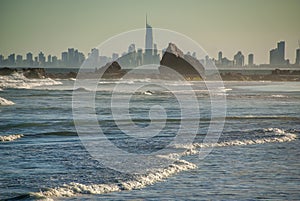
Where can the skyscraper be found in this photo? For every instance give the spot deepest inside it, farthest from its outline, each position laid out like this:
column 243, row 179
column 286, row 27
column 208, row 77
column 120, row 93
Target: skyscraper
column 239, row 59
column 149, row 36
column 29, row 59
column 250, row 60
column 281, row 50
column 298, row 56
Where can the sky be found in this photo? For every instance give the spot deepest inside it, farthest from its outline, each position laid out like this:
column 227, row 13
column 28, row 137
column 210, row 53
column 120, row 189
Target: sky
column 52, row 26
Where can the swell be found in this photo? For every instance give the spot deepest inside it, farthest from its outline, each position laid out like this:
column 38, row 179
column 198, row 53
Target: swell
column 141, row 181
column 156, row 175
column 8, row 138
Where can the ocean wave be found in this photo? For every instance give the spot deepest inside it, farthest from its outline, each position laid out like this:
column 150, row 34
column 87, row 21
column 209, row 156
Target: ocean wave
column 140, row 181
column 262, row 117
column 18, row 80
column 279, row 136
column 156, row 175
column 7, row 138
column 4, row 101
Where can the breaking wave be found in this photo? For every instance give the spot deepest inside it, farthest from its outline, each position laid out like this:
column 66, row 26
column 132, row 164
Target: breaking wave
column 18, row 80
column 279, row 135
column 156, row 175
column 7, row 138
column 140, row 181
column 4, row 101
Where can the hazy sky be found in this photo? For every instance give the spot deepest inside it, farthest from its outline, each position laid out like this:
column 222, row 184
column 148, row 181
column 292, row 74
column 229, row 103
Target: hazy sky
column 51, row 26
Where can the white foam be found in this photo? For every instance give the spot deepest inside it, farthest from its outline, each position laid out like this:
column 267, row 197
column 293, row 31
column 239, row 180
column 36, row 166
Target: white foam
column 156, row 175
column 141, row 181
column 18, row 80
column 10, row 137
column 4, row 101
column 279, row 96
column 281, row 136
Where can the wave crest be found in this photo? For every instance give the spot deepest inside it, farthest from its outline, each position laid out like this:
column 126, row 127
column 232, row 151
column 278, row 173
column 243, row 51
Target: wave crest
column 156, row 175
column 141, row 181
column 18, row 80
column 4, row 101
column 10, row 137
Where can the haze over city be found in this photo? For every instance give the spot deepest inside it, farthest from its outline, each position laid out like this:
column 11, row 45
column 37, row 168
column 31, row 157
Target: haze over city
column 231, row 26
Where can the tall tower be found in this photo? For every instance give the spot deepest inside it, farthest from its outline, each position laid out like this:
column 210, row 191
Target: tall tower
column 149, row 37
column 281, row 50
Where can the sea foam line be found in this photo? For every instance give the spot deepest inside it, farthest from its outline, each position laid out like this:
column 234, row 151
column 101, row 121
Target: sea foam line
column 4, row 101
column 153, row 176
column 10, row 137
column 141, row 181
column 280, row 136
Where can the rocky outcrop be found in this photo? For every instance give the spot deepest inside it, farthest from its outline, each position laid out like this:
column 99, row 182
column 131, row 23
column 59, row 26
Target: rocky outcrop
column 31, row 73
column 7, row 71
column 111, row 70
column 185, row 65
column 34, row 73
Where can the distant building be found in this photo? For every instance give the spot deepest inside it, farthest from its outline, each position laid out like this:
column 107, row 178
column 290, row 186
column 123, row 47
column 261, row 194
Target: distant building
column 220, row 56
column 115, row 56
column 11, row 60
column 274, row 57
column 29, row 59
column 250, row 60
column 281, row 51
column 42, row 59
column 277, row 55
column 239, row 59
column 149, row 37
column 1, row 59
column 19, row 61
column 298, row 57
column 64, row 58
column 49, row 59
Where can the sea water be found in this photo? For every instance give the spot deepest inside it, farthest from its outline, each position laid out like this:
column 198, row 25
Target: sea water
column 256, row 156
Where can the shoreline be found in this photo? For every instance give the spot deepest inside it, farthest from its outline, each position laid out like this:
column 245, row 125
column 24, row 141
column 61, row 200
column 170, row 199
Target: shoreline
column 276, row 75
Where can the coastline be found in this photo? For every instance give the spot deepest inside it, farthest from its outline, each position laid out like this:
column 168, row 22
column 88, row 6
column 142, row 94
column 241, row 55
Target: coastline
column 41, row 73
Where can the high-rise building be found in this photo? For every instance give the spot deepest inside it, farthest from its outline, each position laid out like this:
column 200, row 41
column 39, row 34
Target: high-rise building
column 149, row 36
column 220, row 56
column 298, row 56
column 71, row 56
column 29, row 60
column 274, row 56
column 277, row 55
column 49, row 59
column 1, row 59
column 42, row 59
column 239, row 59
column 115, row 56
column 131, row 48
column 54, row 61
column 250, row 60
column 11, row 60
column 19, row 60
column 281, row 50
column 64, row 58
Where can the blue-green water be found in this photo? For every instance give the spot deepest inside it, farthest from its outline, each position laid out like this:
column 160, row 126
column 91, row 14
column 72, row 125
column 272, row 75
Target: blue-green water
column 50, row 154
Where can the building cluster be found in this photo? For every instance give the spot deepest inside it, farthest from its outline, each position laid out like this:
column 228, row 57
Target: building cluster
column 71, row 58
column 132, row 58
column 277, row 58
column 137, row 57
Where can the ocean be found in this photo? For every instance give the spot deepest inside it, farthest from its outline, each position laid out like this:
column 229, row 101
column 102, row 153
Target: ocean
column 43, row 157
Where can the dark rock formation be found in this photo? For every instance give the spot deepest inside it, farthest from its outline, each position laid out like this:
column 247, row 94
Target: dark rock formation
column 7, row 71
column 67, row 75
column 111, row 70
column 34, row 73
column 186, row 65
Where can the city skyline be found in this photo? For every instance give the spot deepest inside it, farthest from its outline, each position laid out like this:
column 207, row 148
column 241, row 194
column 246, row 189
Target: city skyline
column 150, row 54
column 231, row 26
